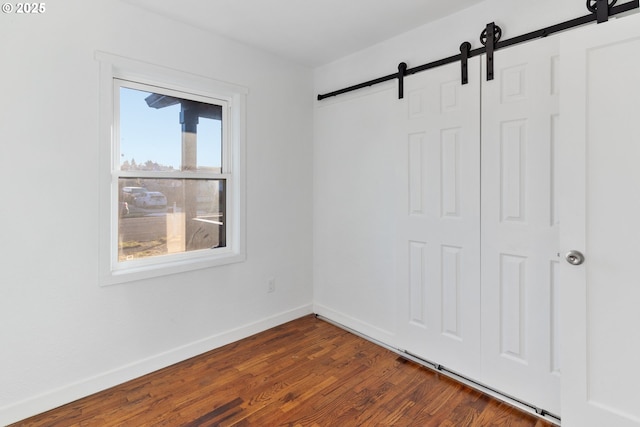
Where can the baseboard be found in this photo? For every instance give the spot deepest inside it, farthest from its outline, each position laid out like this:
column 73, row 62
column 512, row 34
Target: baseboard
column 368, row 329
column 71, row 392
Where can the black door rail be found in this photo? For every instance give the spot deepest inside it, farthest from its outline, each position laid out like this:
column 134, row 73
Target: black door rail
column 490, row 38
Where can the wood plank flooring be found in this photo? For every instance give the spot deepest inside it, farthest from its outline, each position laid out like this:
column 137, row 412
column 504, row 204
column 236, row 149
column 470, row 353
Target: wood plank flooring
column 303, row 373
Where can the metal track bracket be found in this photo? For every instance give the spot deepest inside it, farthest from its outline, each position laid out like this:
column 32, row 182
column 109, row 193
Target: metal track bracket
column 464, row 59
column 402, row 71
column 489, row 38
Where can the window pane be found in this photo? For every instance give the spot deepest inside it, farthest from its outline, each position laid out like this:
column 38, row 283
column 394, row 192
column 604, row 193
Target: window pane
column 166, row 216
column 163, row 133
column 209, row 155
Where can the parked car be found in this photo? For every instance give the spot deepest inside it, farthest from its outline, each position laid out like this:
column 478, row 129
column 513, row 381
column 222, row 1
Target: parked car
column 151, row 199
column 129, row 194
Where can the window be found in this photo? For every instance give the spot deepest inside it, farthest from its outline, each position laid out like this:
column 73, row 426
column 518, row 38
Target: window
column 174, row 181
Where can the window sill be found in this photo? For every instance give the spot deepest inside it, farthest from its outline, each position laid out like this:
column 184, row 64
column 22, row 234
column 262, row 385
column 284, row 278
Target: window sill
column 131, row 274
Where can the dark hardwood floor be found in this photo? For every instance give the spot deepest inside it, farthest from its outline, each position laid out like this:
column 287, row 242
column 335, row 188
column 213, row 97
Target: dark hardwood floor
column 304, row 373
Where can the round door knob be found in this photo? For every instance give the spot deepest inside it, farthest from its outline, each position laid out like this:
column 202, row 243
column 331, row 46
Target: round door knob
column 574, row 257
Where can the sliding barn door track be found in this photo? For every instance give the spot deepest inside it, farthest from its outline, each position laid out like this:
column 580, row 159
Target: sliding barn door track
column 513, row 401
column 600, row 11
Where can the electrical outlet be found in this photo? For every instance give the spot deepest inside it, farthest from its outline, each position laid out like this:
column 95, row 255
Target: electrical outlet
column 271, row 285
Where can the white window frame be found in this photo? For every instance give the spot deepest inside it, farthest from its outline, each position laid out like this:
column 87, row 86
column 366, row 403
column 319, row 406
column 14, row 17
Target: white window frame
column 114, row 70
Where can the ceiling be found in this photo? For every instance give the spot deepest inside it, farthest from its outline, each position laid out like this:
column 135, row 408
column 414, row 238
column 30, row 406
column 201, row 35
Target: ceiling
column 309, row 32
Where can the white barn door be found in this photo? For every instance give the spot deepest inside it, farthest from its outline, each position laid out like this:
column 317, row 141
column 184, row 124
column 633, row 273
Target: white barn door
column 438, row 218
column 477, row 222
column 520, row 343
column 600, row 166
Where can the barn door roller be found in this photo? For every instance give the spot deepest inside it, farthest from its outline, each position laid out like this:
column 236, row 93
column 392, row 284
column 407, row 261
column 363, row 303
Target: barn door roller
column 601, row 8
column 402, row 70
column 490, row 38
column 464, row 59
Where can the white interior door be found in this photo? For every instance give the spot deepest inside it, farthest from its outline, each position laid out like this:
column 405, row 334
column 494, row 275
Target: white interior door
column 520, row 347
column 438, row 222
column 600, row 211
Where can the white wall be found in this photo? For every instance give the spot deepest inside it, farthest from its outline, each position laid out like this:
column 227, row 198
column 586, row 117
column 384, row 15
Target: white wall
column 62, row 336
column 354, row 257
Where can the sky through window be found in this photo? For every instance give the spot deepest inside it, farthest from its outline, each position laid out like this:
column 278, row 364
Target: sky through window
column 150, row 134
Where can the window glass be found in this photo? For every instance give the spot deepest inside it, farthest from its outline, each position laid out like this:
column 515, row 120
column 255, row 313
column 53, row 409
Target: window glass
column 171, row 195
column 168, row 133
column 168, row 216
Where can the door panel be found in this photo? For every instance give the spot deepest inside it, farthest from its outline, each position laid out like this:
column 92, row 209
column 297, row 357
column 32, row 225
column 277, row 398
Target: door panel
column 438, row 219
column 599, row 213
column 519, row 225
